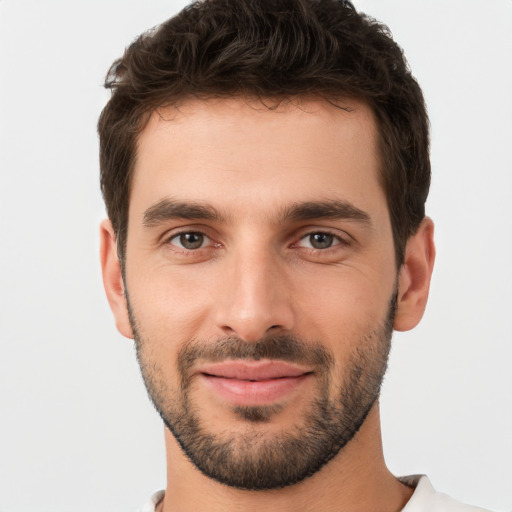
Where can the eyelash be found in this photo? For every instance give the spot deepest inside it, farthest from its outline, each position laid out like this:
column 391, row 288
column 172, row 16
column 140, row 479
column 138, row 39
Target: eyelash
column 184, row 250
column 337, row 241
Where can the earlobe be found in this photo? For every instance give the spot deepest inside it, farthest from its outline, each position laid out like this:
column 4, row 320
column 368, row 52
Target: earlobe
column 113, row 278
column 414, row 277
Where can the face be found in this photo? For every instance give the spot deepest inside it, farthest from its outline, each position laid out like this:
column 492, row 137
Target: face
column 261, row 282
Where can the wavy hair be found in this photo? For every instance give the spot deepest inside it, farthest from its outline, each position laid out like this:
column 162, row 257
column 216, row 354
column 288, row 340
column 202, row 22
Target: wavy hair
column 272, row 50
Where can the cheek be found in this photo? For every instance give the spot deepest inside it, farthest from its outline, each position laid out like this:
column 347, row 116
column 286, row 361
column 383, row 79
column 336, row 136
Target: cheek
column 345, row 296
column 344, row 311
column 170, row 305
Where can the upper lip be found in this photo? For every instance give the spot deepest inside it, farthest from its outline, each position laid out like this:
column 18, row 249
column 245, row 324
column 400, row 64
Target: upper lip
column 252, row 370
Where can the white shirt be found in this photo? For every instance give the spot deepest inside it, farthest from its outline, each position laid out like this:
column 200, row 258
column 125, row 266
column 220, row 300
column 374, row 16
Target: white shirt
column 424, row 499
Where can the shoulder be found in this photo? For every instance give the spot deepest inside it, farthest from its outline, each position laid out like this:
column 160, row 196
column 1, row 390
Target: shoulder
column 426, row 499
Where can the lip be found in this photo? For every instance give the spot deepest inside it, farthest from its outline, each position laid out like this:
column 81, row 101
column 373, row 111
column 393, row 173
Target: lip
column 253, row 382
column 253, row 370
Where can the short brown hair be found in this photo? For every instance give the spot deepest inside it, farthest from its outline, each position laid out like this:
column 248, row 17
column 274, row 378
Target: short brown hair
column 270, row 49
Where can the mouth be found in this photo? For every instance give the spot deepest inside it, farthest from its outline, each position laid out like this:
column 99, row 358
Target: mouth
column 253, row 383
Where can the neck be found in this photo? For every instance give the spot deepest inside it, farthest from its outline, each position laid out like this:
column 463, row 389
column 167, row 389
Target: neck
column 356, row 480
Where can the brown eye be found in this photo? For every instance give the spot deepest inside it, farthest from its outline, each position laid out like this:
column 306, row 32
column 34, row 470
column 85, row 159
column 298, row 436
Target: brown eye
column 189, row 241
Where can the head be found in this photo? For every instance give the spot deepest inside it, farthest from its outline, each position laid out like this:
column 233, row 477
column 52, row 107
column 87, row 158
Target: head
column 265, row 167
column 272, row 50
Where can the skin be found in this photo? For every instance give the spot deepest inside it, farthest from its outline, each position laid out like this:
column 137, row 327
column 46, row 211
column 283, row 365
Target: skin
column 257, row 273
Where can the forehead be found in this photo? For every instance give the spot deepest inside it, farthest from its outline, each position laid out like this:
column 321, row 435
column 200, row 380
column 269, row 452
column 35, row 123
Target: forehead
column 239, row 149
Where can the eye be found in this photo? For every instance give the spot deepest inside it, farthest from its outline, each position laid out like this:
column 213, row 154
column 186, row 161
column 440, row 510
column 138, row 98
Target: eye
column 190, row 240
column 319, row 240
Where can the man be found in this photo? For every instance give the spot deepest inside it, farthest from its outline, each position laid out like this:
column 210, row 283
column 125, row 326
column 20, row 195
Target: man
column 265, row 168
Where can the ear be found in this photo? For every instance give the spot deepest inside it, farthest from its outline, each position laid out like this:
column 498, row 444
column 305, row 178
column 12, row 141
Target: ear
column 113, row 278
column 414, row 277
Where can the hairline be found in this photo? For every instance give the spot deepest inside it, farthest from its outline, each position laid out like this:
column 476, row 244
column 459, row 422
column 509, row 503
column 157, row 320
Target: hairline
column 278, row 99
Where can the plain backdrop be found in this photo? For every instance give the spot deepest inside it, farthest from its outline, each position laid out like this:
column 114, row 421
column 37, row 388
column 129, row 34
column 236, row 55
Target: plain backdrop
column 77, row 432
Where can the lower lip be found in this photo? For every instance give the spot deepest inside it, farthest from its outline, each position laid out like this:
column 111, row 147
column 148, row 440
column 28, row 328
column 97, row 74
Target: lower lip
column 261, row 392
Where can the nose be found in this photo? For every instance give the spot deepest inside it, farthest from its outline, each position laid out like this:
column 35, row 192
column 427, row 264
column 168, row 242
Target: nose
column 256, row 296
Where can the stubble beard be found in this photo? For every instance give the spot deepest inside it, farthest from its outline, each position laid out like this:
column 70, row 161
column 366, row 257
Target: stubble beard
column 253, row 459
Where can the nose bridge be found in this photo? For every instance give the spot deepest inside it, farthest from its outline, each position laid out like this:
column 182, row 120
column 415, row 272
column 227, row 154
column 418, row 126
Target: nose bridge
column 256, row 296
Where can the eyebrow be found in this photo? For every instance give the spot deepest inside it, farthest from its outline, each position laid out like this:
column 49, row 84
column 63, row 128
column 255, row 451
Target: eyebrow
column 330, row 209
column 169, row 209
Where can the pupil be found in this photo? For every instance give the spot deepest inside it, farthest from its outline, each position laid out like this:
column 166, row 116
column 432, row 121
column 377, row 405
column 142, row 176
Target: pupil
column 321, row 240
column 191, row 240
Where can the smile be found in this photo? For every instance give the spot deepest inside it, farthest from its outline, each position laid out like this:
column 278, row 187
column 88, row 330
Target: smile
column 252, row 383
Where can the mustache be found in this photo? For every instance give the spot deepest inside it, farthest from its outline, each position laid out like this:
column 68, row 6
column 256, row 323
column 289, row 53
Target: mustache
column 281, row 347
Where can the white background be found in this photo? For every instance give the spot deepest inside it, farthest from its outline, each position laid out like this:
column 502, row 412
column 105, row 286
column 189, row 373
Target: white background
column 77, row 432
